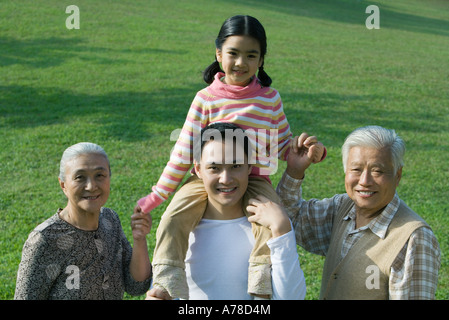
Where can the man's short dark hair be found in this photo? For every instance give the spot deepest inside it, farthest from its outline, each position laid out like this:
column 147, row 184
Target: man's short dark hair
column 223, row 131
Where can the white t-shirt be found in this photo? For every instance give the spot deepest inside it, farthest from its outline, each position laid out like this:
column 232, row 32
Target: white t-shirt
column 217, row 262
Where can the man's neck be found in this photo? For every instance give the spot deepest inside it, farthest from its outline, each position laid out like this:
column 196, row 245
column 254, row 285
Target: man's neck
column 363, row 218
column 215, row 212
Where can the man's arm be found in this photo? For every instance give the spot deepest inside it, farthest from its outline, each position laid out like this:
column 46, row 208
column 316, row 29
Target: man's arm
column 312, row 219
column 414, row 273
column 287, row 276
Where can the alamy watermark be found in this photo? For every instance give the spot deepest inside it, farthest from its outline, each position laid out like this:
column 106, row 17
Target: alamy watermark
column 73, row 280
column 72, row 21
column 373, row 280
column 262, row 146
column 373, row 20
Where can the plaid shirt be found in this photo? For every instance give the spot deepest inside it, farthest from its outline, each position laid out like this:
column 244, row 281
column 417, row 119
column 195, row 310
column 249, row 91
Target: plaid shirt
column 414, row 273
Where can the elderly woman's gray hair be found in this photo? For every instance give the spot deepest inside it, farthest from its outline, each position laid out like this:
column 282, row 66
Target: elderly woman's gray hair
column 79, row 149
column 375, row 137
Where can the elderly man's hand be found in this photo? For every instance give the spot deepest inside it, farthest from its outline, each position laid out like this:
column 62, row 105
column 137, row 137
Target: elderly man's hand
column 305, row 151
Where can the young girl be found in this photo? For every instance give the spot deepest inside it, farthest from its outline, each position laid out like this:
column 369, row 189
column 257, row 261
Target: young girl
column 235, row 95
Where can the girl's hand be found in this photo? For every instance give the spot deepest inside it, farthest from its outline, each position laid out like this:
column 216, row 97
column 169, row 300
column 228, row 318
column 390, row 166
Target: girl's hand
column 140, row 223
column 269, row 214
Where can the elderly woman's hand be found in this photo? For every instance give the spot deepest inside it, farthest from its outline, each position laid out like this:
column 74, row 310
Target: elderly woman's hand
column 140, row 223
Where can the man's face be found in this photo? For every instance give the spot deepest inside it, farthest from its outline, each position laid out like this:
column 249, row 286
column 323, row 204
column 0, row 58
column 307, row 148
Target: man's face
column 370, row 179
column 225, row 181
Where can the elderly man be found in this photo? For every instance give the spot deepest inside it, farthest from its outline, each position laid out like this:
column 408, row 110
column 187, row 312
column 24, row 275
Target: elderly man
column 375, row 246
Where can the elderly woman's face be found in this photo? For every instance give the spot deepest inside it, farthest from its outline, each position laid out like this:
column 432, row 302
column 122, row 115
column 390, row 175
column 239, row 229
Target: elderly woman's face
column 87, row 182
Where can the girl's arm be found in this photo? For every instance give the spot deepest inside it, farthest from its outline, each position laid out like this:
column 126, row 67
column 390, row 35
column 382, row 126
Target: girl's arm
column 181, row 159
column 284, row 134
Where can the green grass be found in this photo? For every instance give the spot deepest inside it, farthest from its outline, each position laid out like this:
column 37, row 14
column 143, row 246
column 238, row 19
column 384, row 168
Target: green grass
column 126, row 79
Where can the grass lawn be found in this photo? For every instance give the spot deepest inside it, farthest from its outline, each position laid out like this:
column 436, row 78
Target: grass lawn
column 126, row 78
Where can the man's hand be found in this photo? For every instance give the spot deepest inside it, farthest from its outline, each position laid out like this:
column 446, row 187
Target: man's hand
column 268, row 214
column 305, row 151
column 158, row 294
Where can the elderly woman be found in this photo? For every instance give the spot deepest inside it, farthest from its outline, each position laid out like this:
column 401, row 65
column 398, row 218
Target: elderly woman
column 81, row 251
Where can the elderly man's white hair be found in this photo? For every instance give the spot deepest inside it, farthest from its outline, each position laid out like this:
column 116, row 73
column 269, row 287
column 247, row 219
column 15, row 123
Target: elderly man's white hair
column 79, row 149
column 376, row 137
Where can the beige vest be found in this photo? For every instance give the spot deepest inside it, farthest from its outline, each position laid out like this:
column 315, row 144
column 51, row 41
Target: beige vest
column 364, row 272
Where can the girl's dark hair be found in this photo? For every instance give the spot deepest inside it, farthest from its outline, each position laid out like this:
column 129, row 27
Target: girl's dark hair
column 240, row 26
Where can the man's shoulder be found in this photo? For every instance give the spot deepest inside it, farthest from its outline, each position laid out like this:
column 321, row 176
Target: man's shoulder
column 407, row 215
column 343, row 203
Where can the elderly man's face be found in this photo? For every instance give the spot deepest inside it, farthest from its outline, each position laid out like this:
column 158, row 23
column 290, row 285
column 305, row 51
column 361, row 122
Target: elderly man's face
column 87, row 183
column 370, row 179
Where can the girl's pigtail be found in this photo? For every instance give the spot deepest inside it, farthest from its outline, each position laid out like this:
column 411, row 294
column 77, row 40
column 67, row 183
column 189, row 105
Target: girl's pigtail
column 264, row 79
column 209, row 73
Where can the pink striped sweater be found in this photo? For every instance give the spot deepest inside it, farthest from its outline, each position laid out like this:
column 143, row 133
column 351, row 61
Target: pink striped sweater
column 253, row 108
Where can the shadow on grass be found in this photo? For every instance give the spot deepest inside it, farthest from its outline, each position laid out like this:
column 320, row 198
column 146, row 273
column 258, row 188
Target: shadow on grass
column 139, row 116
column 54, row 51
column 353, row 12
column 129, row 116
column 334, row 116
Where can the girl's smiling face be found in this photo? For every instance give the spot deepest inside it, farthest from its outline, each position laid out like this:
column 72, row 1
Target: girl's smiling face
column 240, row 58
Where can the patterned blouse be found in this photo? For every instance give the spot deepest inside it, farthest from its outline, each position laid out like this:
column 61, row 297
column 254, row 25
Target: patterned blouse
column 60, row 261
